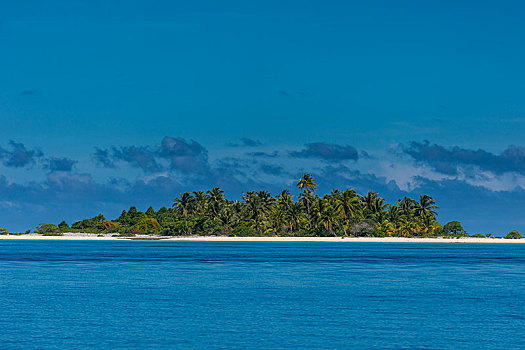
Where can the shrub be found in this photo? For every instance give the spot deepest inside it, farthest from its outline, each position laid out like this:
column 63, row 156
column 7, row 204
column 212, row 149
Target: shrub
column 47, row 229
column 305, row 233
column 478, row 235
column 454, row 228
column 131, row 217
column 53, row 234
column 514, row 234
column 64, row 227
column 3, row 231
column 146, row 226
column 243, row 231
column 174, row 228
column 125, row 234
column 212, row 226
column 110, row 225
column 95, row 223
column 363, row 229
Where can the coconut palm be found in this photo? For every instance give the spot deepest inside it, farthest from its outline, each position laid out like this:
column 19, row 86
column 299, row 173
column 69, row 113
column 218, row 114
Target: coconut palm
column 229, row 217
column 395, row 214
column 283, row 203
column 216, row 201
column 284, row 198
column 350, row 204
column 373, row 206
column 295, row 216
column 348, row 207
column 308, row 185
column 368, row 200
column 258, row 206
column 183, row 205
column 327, row 215
column 199, row 202
column 385, row 227
column 408, row 205
column 426, row 206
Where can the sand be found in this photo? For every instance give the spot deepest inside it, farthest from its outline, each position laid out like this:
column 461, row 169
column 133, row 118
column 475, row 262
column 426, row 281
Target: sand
column 95, row 237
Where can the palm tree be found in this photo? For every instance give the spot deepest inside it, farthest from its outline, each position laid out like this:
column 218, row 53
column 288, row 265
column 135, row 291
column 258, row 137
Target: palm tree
column 183, row 204
column 427, row 223
column 258, row 206
column 308, row 185
column 229, row 217
column 295, row 215
column 395, row 215
column 426, row 206
column 327, row 215
column 283, row 203
column 199, row 202
column 385, row 227
column 368, row 200
column 374, row 205
column 408, row 206
column 348, row 207
column 216, row 200
column 284, row 199
column 408, row 227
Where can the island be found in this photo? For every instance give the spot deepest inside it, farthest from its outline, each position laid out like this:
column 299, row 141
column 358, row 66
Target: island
column 342, row 215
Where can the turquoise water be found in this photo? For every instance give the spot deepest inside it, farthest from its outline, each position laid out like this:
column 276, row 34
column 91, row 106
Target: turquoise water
column 129, row 294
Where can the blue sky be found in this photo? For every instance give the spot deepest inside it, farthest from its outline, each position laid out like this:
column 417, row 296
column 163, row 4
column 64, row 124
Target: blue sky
column 104, row 105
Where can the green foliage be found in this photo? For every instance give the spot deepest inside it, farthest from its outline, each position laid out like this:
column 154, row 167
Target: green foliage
column 125, row 233
column 64, row 227
column 454, row 228
column 305, row 233
column 174, row 228
column 131, row 217
column 110, row 226
column 94, row 224
column 150, row 213
column 258, row 213
column 47, row 229
column 477, row 235
column 243, row 231
column 3, row 231
column 514, row 234
column 146, row 226
column 212, row 227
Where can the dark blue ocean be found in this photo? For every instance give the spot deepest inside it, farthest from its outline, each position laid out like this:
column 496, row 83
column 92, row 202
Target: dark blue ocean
column 157, row 295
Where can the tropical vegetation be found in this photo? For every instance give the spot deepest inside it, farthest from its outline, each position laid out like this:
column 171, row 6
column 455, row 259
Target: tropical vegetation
column 258, row 213
column 514, row 234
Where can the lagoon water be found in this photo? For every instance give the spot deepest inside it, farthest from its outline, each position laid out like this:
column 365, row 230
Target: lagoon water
column 223, row 295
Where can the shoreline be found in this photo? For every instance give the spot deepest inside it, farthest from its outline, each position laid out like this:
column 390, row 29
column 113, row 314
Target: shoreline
column 95, row 237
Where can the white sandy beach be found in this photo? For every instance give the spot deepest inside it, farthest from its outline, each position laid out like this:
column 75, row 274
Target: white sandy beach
column 95, row 237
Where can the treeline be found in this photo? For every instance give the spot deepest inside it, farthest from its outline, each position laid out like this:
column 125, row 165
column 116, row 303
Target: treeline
column 339, row 213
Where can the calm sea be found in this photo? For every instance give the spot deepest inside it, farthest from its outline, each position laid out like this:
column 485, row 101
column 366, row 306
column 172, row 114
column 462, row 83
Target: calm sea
column 156, row 295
